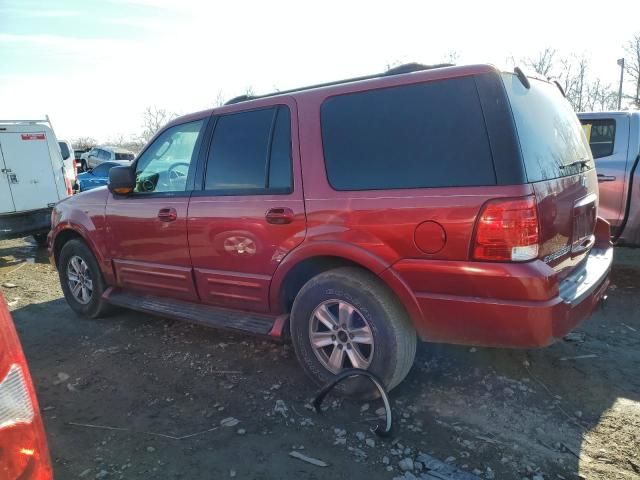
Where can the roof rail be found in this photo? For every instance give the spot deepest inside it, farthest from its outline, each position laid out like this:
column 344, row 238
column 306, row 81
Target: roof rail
column 28, row 122
column 399, row 70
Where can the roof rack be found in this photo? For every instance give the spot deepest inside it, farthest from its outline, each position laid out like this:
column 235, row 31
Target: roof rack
column 28, row 122
column 399, row 70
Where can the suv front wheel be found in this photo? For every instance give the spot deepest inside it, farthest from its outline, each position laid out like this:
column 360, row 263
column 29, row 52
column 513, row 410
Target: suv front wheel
column 81, row 280
column 347, row 318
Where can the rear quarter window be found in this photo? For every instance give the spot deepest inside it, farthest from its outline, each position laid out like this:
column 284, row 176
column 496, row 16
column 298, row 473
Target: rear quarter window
column 412, row 136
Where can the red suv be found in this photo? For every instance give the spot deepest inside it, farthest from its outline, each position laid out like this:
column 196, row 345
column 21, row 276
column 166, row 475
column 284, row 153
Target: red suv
column 454, row 204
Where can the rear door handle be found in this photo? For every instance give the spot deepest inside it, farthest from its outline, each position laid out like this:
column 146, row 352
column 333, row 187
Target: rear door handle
column 167, row 214
column 279, row 216
column 606, row 178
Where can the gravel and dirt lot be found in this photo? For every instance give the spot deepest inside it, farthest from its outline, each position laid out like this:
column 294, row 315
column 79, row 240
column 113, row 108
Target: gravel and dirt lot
column 135, row 396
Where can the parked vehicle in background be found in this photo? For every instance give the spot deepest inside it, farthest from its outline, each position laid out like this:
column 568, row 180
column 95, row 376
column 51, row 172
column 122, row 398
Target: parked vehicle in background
column 97, row 177
column 77, row 153
column 32, row 178
column 614, row 138
column 69, row 161
column 451, row 204
column 24, row 453
column 98, row 155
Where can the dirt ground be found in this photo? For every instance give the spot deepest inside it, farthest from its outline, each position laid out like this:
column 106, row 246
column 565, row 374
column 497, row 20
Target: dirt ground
column 135, row 396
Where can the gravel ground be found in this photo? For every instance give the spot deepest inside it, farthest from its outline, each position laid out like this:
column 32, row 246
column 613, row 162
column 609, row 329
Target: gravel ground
column 135, row 396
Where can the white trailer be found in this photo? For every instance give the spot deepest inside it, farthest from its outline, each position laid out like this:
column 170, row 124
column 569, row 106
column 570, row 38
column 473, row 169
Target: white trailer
column 32, row 178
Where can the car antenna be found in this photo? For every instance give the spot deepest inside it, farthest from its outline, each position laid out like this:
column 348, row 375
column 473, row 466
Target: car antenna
column 522, row 77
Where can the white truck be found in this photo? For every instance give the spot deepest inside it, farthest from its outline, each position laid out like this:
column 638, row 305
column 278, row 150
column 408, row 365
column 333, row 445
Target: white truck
column 32, row 178
column 614, row 138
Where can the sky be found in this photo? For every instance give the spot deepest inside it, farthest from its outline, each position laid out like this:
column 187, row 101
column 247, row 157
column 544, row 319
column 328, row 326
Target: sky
column 94, row 66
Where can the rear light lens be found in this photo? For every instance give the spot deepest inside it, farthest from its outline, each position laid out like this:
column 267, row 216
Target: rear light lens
column 507, row 230
column 23, row 445
column 15, row 405
column 67, row 184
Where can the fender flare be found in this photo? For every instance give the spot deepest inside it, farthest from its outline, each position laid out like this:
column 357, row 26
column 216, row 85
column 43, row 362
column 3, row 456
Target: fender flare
column 358, row 255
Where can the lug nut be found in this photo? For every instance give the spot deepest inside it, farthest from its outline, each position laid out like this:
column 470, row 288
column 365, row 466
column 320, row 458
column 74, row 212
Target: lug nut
column 349, row 346
column 333, row 337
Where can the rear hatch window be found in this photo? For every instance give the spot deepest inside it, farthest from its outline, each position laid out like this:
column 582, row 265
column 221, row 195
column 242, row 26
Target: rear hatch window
column 125, row 156
column 559, row 164
column 551, row 137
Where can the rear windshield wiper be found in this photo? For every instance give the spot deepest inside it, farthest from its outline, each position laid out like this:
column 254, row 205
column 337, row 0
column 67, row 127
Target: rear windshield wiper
column 582, row 163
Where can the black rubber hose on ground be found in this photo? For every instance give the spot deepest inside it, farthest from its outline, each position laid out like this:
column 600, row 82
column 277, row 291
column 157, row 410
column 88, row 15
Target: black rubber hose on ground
column 380, row 430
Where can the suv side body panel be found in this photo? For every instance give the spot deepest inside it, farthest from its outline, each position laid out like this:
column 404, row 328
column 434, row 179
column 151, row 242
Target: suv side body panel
column 235, row 249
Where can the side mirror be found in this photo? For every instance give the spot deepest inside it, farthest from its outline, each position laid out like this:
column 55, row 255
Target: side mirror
column 122, row 180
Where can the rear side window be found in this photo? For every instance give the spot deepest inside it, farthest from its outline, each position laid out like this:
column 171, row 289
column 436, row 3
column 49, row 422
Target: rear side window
column 124, row 156
column 601, row 135
column 414, row 136
column 103, row 154
column 64, row 149
column 251, row 153
column 550, row 134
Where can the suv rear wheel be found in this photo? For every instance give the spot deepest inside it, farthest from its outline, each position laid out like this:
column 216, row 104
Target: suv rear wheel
column 81, row 280
column 347, row 318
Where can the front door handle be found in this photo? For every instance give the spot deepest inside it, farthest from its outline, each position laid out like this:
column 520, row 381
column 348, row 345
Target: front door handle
column 279, row 216
column 167, row 214
column 606, row 178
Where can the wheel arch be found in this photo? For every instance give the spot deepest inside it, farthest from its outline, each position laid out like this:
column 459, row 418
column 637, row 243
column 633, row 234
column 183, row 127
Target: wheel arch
column 304, row 263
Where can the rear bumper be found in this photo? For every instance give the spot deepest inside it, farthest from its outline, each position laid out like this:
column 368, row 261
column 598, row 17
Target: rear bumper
column 487, row 307
column 15, row 225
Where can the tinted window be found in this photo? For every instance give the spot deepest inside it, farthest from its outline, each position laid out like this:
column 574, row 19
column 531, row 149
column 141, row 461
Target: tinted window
column 164, row 166
column 251, row 153
column 64, row 150
column 601, row 135
column 104, row 155
column 550, row 134
column 424, row 135
column 124, row 156
column 280, row 165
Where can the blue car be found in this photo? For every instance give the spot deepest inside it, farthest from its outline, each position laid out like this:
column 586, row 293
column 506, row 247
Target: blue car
column 97, row 177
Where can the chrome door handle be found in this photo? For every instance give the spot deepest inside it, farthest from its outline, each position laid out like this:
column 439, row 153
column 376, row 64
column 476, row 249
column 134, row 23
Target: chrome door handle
column 167, row 214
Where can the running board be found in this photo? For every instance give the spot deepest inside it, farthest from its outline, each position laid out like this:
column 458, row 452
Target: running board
column 195, row 312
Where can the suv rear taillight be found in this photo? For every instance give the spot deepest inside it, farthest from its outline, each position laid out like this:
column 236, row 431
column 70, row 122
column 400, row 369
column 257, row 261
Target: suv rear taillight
column 23, row 445
column 507, row 230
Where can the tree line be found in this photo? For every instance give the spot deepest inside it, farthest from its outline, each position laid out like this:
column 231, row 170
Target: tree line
column 573, row 73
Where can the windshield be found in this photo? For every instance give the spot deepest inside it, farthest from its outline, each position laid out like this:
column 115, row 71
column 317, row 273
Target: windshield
column 551, row 137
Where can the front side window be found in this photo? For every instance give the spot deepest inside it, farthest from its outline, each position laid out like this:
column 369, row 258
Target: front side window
column 164, row 166
column 103, row 155
column 601, row 135
column 251, row 153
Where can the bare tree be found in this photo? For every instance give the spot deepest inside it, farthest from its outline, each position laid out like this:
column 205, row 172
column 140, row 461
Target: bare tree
column 452, row 57
column 600, row 97
column 543, row 63
column 153, row 119
column 84, row 143
column 632, row 66
column 220, row 99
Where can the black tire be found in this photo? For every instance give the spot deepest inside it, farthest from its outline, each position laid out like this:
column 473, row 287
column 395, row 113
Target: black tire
column 394, row 338
column 83, row 165
column 41, row 239
column 95, row 307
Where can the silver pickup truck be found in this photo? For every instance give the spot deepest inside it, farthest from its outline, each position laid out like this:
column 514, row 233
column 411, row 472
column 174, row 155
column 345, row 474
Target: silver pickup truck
column 615, row 143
